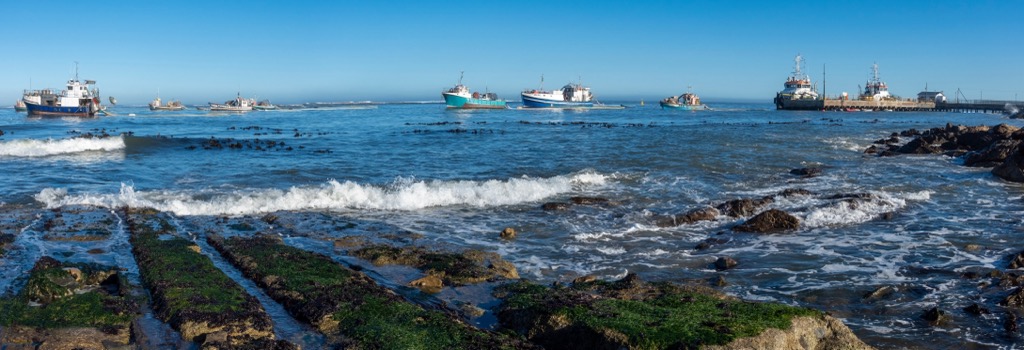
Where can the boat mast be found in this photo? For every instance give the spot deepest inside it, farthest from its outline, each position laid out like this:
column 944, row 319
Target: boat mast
column 461, row 73
column 823, row 90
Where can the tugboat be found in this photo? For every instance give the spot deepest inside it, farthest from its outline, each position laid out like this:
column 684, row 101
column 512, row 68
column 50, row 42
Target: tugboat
column 687, row 101
column 19, row 106
column 75, row 101
column 239, row 104
column 156, row 105
column 798, row 92
column 572, row 95
column 875, row 89
column 460, row 97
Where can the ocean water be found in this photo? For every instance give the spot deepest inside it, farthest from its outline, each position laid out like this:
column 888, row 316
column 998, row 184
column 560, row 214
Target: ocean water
column 457, row 178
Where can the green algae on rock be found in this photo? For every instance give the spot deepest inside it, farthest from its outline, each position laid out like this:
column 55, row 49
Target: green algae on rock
column 188, row 291
column 637, row 315
column 62, row 300
column 347, row 305
column 459, row 269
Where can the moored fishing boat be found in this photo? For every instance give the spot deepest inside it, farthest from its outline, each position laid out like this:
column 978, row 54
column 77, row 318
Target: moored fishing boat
column 19, row 106
column 264, row 105
column 239, row 104
column 687, row 101
column 572, row 95
column 77, row 100
column 460, row 97
column 798, row 93
column 157, row 105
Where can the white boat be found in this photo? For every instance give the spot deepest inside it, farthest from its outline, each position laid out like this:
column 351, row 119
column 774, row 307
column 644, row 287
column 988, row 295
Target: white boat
column 875, row 89
column 572, row 95
column 239, row 104
column 76, row 101
column 157, row 105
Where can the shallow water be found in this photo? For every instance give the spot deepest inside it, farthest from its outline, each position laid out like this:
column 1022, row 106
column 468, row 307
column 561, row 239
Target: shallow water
column 459, row 177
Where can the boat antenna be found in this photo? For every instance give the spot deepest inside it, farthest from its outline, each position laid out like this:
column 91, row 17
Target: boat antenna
column 76, row 70
column 542, row 81
column 461, row 73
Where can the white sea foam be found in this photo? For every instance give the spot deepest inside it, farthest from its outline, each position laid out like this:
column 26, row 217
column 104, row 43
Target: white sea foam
column 404, row 194
column 845, row 213
column 50, row 147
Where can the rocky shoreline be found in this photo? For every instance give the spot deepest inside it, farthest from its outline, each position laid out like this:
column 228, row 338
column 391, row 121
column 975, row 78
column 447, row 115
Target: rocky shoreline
column 206, row 308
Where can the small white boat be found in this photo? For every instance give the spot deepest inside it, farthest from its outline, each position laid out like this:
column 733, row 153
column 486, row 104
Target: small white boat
column 239, row 104
column 157, row 105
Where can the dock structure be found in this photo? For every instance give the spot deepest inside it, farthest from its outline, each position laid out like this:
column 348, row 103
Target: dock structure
column 842, row 105
column 978, row 106
column 984, row 106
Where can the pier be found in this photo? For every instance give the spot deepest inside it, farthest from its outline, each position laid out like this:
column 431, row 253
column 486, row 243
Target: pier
column 984, row 106
column 977, row 106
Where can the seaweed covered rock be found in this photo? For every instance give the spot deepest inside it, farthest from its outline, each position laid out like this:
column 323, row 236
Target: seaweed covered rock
column 68, row 306
column 469, row 267
column 743, row 207
column 636, row 315
column 692, row 216
column 769, row 221
column 189, row 292
column 346, row 305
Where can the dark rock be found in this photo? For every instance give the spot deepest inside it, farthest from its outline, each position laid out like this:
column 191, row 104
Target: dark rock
column 910, row 133
column 995, row 154
column 1012, row 169
column 975, row 309
column 880, row 292
column 718, row 281
column 725, row 263
column 743, row 207
column 555, row 206
column 935, row 316
column 1015, row 299
column 1011, row 280
column 871, row 150
column 508, row 233
column 772, row 220
column 1010, row 323
column 919, row 145
column 790, row 192
column 851, row 196
column 807, row 172
column 692, row 216
column 589, row 200
column 708, row 243
column 584, row 279
column 1017, row 261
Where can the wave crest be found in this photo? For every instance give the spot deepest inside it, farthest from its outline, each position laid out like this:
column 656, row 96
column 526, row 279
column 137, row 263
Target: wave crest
column 49, row 147
column 403, row 194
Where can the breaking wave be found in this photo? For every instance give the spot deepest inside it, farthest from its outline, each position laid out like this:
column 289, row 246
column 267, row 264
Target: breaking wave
column 854, row 212
column 403, row 194
column 50, row 147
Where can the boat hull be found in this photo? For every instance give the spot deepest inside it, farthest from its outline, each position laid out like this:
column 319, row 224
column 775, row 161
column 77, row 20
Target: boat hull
column 534, row 102
column 456, row 101
column 20, row 109
column 78, row 111
column 665, row 105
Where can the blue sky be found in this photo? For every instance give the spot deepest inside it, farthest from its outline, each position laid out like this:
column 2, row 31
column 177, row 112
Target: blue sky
column 300, row 51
